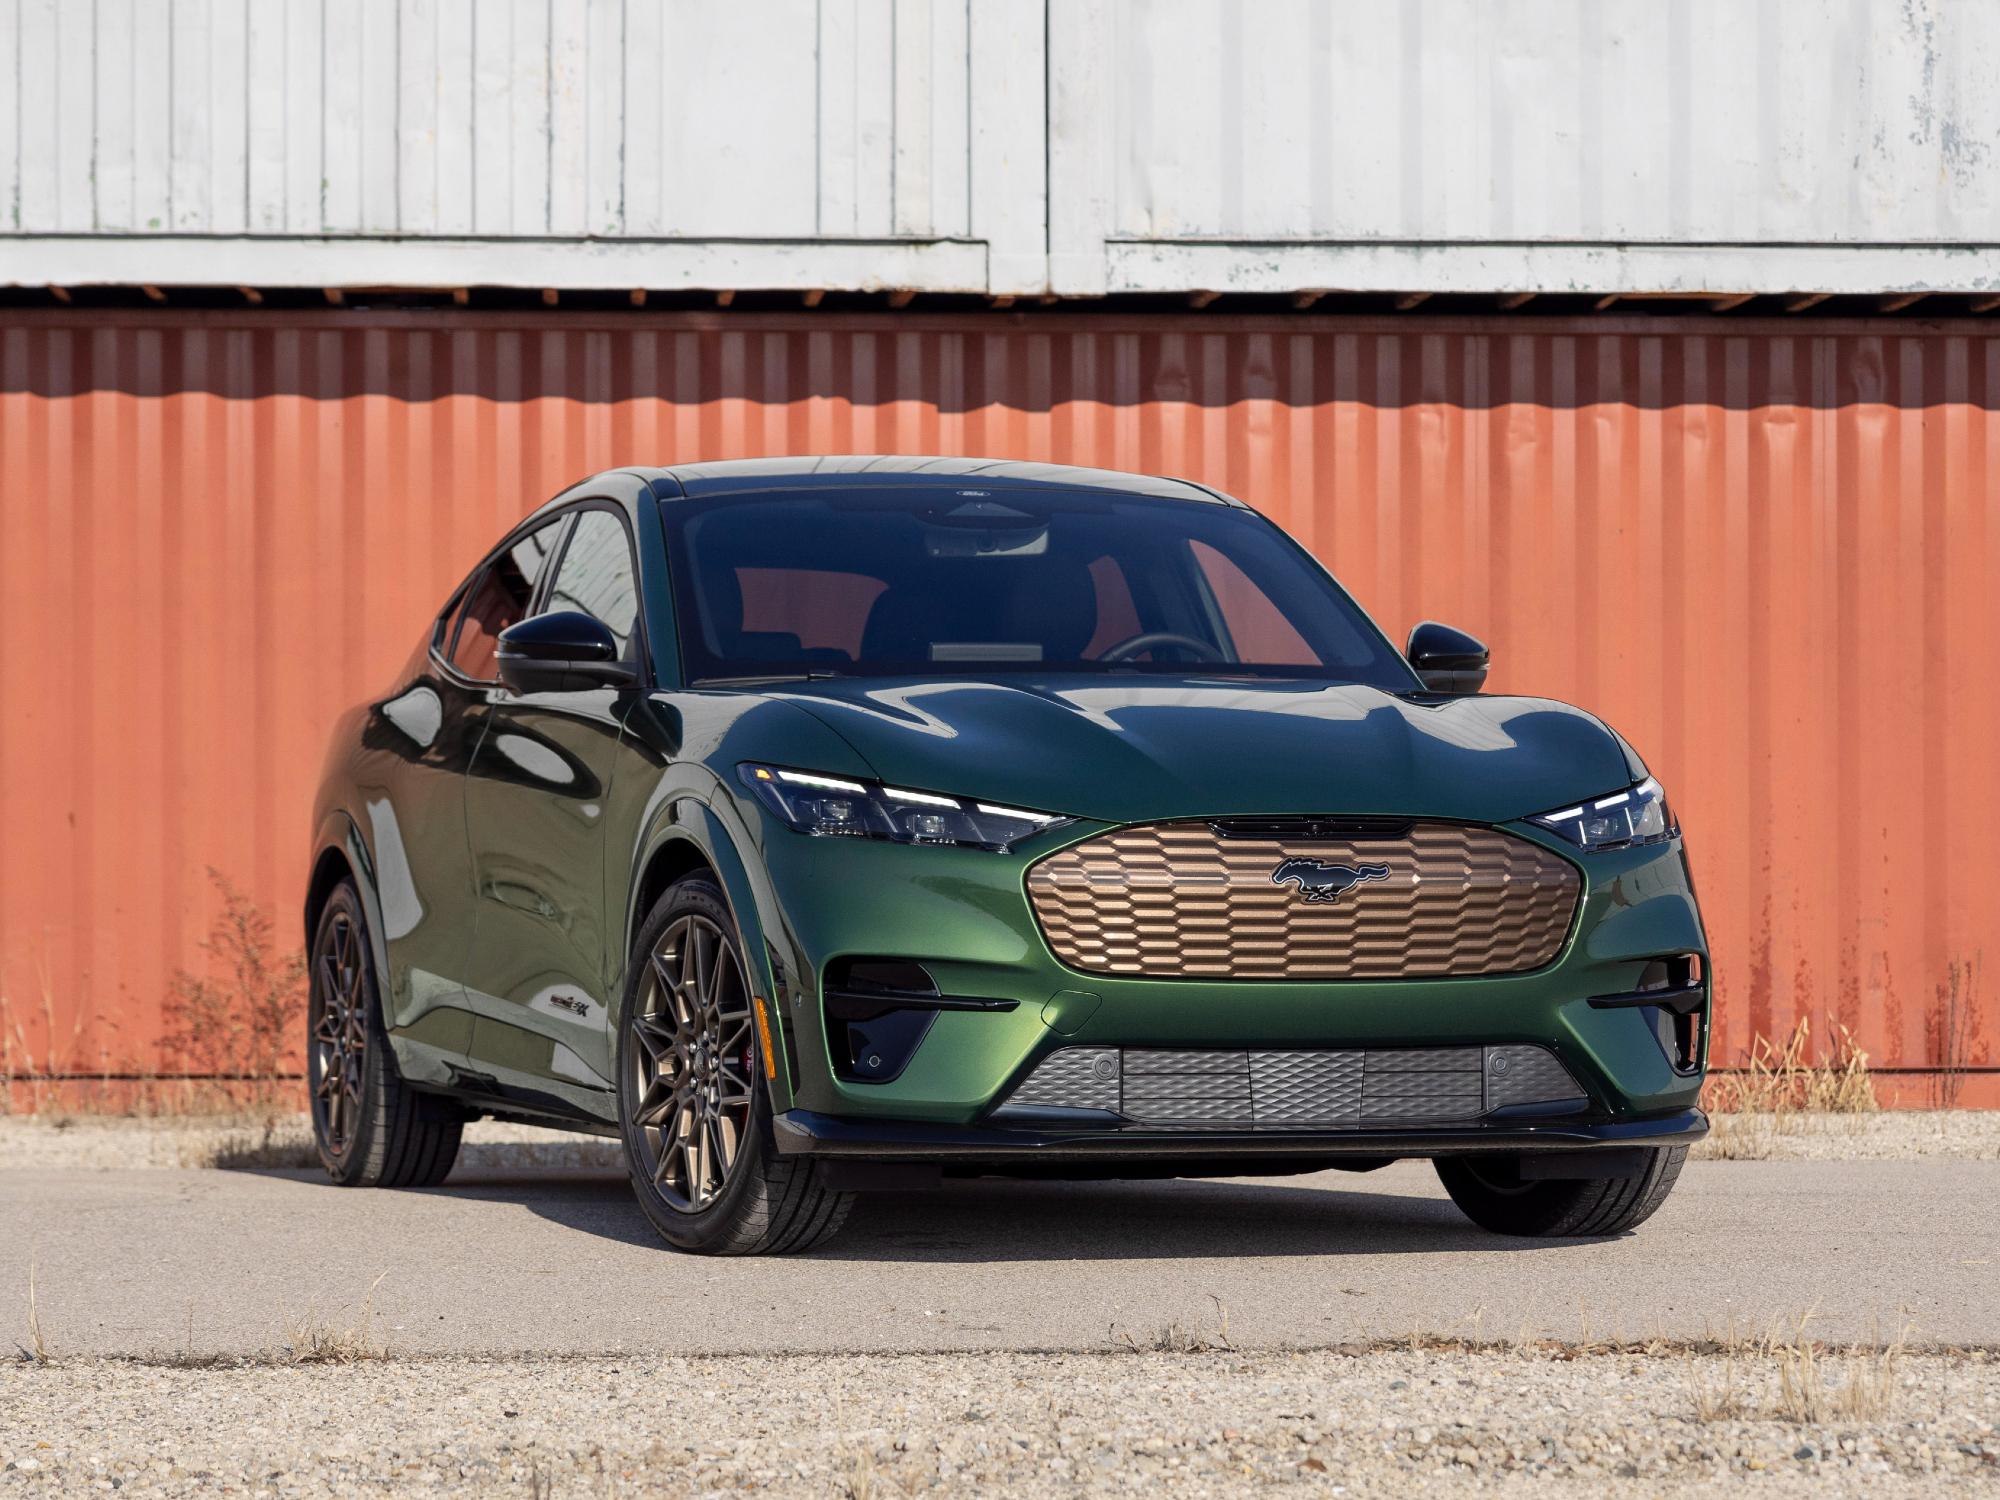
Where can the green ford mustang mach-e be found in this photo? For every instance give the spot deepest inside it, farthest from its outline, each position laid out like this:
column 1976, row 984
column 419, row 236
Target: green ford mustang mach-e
column 820, row 825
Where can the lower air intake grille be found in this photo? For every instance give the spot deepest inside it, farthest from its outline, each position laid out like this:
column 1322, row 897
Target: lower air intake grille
column 1358, row 1089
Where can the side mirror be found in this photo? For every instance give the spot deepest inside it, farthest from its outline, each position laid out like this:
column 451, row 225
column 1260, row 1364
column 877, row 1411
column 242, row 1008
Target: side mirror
column 566, row 652
column 1449, row 661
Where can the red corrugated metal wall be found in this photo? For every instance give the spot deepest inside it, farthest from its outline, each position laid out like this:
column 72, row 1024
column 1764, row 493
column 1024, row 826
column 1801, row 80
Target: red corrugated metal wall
column 1768, row 552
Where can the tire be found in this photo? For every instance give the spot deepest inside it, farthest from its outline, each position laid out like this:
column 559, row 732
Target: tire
column 373, row 1129
column 692, row 1103
column 1490, row 1193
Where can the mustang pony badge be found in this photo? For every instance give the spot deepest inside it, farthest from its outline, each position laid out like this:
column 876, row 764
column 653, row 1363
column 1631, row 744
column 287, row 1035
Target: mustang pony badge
column 1323, row 882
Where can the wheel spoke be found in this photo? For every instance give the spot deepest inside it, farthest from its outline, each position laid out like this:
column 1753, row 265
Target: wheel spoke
column 703, row 1166
column 656, row 1047
column 666, row 983
column 330, row 981
column 669, row 1148
column 658, row 1105
column 693, row 973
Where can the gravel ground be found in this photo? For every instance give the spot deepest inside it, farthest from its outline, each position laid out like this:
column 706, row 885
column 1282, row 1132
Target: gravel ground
column 1888, row 1135
column 1545, row 1421
column 107, row 1142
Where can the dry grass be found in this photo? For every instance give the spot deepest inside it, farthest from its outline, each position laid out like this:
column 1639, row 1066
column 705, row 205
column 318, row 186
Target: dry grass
column 1713, row 1404
column 36, row 1350
column 1806, row 1381
column 231, row 1037
column 238, row 1022
column 1951, row 1027
column 313, row 1340
column 1812, row 1389
column 1177, row 1336
column 1784, row 1090
column 1786, row 1080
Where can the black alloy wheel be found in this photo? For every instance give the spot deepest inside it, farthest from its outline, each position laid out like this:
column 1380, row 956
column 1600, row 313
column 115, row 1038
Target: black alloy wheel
column 372, row 1129
column 1492, row 1193
column 339, row 1035
column 692, row 1098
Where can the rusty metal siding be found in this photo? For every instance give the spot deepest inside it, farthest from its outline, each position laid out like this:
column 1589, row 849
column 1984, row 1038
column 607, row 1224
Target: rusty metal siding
column 1770, row 555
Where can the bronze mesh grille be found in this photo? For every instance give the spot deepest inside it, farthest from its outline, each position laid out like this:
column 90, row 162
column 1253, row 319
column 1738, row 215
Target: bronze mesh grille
column 1177, row 900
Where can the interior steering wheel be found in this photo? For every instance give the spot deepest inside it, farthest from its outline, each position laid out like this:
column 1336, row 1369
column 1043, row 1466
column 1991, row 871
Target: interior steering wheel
column 1153, row 638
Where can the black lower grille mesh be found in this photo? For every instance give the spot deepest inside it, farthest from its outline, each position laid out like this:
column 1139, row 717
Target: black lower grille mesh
column 1333, row 1089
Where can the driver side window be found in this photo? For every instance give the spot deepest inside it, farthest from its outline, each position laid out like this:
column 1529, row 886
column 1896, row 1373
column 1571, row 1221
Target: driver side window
column 499, row 598
column 596, row 579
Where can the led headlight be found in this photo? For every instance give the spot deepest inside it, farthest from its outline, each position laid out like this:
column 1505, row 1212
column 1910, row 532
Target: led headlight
column 843, row 806
column 1637, row 815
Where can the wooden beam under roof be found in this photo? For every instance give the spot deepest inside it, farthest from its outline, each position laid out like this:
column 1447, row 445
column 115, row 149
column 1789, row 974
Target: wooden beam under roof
column 1410, row 299
column 1982, row 304
column 1800, row 301
column 1511, row 300
column 1302, row 300
column 902, row 296
column 1200, row 300
column 815, row 296
column 1897, row 301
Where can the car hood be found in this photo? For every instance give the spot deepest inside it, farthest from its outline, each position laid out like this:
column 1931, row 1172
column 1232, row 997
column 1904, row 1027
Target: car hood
column 1124, row 749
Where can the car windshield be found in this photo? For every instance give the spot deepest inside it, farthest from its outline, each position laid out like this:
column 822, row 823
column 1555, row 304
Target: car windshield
column 921, row 581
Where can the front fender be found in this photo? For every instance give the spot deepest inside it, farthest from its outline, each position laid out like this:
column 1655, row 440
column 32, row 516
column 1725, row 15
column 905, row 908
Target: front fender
column 689, row 820
column 339, row 830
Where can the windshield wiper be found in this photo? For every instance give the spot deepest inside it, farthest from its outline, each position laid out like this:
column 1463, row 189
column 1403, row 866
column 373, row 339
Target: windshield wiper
column 760, row 679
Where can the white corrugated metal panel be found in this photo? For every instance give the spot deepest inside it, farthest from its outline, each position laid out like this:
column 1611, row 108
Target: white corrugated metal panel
column 784, row 120
column 1460, row 145
column 1007, row 145
column 1703, row 121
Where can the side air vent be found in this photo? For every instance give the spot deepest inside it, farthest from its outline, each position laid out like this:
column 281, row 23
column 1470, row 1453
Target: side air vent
column 879, row 1010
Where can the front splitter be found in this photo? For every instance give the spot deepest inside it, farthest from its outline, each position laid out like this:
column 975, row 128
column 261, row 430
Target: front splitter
column 802, row 1132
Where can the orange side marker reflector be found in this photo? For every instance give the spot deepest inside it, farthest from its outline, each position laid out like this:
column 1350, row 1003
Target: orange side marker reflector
column 764, row 1031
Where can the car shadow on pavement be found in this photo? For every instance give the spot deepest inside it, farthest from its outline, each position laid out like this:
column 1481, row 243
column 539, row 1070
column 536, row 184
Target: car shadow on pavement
column 997, row 1220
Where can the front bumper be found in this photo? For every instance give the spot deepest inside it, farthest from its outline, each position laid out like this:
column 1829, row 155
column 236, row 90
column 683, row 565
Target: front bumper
column 802, row 1132
column 965, row 916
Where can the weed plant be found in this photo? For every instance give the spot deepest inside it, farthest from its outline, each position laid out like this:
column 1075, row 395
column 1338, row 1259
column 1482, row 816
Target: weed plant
column 230, row 1046
column 1782, row 1090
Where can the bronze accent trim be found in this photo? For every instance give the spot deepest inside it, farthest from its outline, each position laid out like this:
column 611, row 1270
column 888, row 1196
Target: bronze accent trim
column 1177, row 901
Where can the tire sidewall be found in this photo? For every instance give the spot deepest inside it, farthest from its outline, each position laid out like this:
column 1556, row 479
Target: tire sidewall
column 349, row 1166
column 1557, row 1208
column 691, row 895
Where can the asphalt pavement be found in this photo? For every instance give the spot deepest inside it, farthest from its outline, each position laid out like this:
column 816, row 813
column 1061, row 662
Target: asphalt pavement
column 208, row 1262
